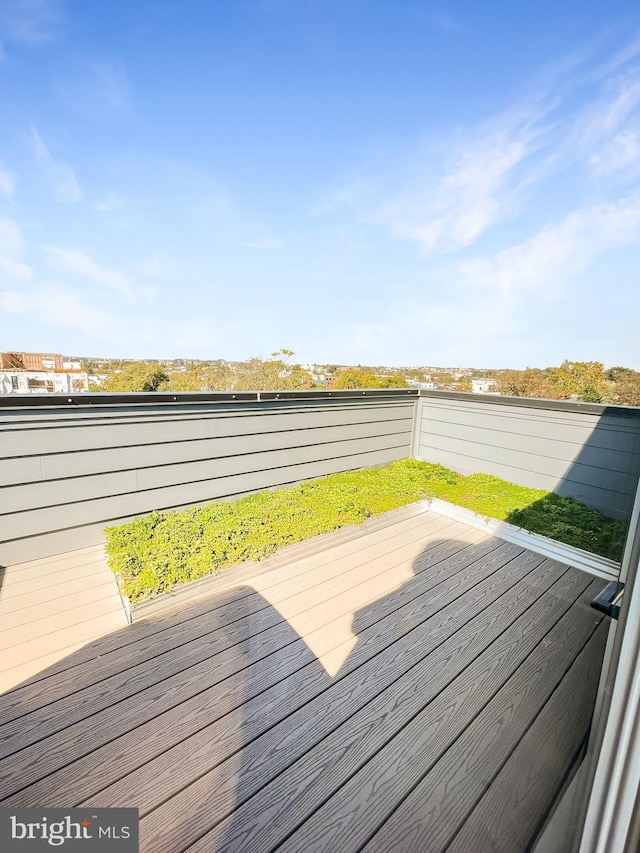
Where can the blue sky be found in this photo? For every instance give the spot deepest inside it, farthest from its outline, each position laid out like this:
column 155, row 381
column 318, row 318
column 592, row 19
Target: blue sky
column 361, row 181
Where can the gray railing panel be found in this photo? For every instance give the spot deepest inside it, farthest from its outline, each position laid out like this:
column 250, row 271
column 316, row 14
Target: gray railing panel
column 66, row 471
column 592, row 456
column 30, row 433
column 64, row 482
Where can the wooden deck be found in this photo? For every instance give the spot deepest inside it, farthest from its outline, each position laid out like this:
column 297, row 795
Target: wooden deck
column 50, row 608
column 422, row 687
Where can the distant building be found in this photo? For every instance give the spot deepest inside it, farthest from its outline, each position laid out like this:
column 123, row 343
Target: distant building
column 31, row 361
column 483, row 386
column 40, row 373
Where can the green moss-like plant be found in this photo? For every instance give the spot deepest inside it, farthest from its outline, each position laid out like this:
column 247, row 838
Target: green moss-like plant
column 153, row 554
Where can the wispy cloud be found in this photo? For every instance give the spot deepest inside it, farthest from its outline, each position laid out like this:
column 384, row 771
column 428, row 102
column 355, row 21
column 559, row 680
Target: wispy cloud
column 622, row 152
column 98, row 89
column 57, row 306
column 469, row 197
column 502, row 293
column 31, row 21
column 541, row 264
column 60, row 176
column 12, row 245
column 7, row 184
column 82, row 265
column 447, row 202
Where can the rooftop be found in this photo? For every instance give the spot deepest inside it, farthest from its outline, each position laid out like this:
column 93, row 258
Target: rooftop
column 420, row 678
column 425, row 681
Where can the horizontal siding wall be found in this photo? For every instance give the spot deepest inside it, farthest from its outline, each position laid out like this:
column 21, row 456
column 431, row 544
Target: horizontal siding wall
column 592, row 456
column 66, row 473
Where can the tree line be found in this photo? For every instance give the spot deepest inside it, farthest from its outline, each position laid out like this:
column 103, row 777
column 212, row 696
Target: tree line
column 587, row 381
column 276, row 373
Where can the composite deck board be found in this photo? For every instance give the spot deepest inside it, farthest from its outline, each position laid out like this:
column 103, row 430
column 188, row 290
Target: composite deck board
column 358, row 776
column 318, row 714
column 40, row 753
column 185, row 622
column 207, row 723
column 204, row 640
column 344, row 700
column 510, row 813
column 259, row 636
column 439, row 805
column 50, row 607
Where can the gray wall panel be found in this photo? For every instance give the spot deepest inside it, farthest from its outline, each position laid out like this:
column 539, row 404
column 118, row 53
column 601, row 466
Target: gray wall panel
column 65, row 474
column 44, row 435
column 82, row 463
column 548, row 446
column 64, row 482
column 592, row 457
column 554, row 469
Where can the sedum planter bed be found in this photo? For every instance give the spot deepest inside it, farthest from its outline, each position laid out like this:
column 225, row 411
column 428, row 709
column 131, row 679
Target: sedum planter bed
column 153, row 554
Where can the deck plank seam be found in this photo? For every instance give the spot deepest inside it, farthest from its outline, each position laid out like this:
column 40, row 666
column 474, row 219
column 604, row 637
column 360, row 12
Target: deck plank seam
column 328, row 734
column 557, row 686
column 345, row 781
column 371, row 627
column 266, row 609
column 206, row 614
column 297, row 709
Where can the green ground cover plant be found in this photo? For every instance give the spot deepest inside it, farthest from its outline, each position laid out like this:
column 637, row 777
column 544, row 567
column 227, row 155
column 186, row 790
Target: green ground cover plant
column 151, row 555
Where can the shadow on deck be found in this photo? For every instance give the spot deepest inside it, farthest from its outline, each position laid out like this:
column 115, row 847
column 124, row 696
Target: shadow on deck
column 425, row 687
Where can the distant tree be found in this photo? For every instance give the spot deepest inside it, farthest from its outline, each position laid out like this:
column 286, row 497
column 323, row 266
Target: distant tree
column 615, row 374
column 283, row 354
column 531, row 382
column 463, row 384
column 625, row 387
column 393, row 380
column 274, row 374
column 137, row 376
column 218, row 376
column 357, row 377
column 416, row 374
column 444, row 379
column 585, row 380
column 188, row 380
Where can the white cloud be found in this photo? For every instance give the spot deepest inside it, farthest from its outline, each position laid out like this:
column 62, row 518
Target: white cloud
column 501, row 294
column 449, row 193
column 542, row 264
column 264, row 244
column 12, row 246
column 58, row 306
column 60, row 176
column 468, row 198
column 622, row 152
column 7, row 184
column 85, row 267
column 31, row 21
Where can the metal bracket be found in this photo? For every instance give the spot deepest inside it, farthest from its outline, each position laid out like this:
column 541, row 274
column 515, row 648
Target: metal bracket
column 608, row 602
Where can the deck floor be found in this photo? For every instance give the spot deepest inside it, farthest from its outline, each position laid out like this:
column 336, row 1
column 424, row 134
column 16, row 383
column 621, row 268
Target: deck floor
column 422, row 687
